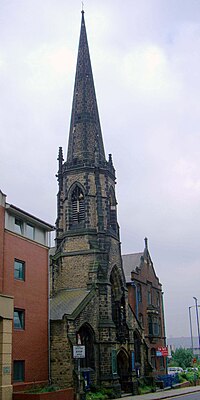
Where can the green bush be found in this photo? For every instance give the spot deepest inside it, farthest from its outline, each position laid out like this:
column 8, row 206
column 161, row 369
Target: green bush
column 146, row 385
column 96, row 396
column 100, row 393
column 94, row 388
column 109, row 393
column 182, row 377
column 42, row 389
column 192, row 376
column 181, row 358
column 145, row 389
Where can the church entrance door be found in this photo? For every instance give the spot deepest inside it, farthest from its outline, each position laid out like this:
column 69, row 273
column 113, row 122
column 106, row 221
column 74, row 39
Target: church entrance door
column 123, row 369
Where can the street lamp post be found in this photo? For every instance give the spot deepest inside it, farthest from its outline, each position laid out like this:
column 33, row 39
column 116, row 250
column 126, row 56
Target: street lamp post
column 197, row 315
column 191, row 328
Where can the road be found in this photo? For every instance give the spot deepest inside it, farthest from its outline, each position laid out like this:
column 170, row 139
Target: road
column 188, row 393
column 190, row 396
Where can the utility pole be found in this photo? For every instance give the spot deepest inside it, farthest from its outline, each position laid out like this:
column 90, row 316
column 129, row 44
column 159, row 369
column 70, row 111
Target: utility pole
column 192, row 344
column 197, row 316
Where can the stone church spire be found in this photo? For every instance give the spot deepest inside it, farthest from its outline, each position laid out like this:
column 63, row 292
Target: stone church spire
column 85, row 138
column 89, row 295
column 85, row 200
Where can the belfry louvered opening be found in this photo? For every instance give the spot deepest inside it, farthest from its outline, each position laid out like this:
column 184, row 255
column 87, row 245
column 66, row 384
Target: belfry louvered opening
column 77, row 206
column 112, row 212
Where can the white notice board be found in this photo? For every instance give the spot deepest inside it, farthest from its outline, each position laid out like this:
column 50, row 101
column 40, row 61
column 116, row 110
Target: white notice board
column 79, row 351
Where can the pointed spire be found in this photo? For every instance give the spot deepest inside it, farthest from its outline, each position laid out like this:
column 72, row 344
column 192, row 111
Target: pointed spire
column 60, row 159
column 60, row 167
column 146, row 251
column 85, row 137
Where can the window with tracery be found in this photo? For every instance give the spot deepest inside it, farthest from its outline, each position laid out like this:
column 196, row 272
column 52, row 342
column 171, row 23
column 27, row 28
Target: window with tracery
column 150, row 325
column 77, row 207
column 112, row 211
column 157, row 299
column 149, row 295
column 137, row 347
column 118, row 305
column 139, row 293
column 154, row 326
column 141, row 321
column 153, row 358
column 162, row 362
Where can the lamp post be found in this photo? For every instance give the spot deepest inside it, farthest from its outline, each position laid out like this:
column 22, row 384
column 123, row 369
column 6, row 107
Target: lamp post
column 191, row 328
column 197, row 315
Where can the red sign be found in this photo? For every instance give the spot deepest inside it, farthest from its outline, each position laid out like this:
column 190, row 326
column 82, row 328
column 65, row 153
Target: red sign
column 163, row 351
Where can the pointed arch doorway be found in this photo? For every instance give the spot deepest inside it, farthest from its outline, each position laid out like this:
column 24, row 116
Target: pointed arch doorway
column 123, row 369
column 87, row 337
column 87, row 364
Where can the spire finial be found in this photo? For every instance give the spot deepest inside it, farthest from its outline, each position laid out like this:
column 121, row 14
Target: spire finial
column 146, row 242
column 85, row 129
column 82, row 7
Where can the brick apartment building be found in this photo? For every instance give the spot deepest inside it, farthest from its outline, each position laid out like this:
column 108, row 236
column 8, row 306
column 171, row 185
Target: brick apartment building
column 24, row 245
column 146, row 300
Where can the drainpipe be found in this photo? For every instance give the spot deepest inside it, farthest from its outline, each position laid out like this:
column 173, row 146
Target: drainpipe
column 163, row 327
column 49, row 352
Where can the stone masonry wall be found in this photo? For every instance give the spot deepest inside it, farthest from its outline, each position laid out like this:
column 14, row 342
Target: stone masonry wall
column 61, row 355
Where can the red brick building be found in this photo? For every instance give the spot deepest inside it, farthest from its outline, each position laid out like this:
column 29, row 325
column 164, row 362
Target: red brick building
column 24, row 246
column 146, row 300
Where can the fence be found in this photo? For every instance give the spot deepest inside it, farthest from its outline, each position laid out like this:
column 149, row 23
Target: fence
column 167, row 380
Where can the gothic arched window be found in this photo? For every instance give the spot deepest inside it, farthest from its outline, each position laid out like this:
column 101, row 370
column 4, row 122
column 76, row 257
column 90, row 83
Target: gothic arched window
column 118, row 305
column 150, row 325
column 137, row 347
column 77, row 207
column 139, row 293
column 112, row 211
column 153, row 358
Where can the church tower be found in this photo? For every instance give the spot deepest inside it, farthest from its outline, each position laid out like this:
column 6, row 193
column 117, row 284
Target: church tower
column 86, row 198
column 89, row 297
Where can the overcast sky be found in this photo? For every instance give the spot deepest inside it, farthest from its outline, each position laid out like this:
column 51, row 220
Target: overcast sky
column 146, row 62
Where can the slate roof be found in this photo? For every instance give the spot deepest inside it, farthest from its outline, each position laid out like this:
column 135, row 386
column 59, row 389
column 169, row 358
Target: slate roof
column 130, row 263
column 66, row 302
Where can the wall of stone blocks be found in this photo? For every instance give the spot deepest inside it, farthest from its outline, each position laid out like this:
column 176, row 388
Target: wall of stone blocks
column 5, row 359
column 61, row 355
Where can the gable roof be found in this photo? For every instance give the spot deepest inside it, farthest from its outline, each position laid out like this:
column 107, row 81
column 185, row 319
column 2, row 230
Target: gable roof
column 130, row 263
column 66, row 302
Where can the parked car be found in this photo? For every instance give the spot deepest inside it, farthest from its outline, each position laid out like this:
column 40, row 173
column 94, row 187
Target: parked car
column 174, row 370
column 195, row 369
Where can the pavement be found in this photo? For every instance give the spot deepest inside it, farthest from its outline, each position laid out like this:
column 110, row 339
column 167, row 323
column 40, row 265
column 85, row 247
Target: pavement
column 165, row 394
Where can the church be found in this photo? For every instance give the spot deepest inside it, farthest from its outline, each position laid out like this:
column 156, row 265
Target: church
column 104, row 323
column 89, row 296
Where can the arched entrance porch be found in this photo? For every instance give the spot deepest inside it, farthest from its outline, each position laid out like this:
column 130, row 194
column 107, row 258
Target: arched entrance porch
column 87, row 364
column 123, row 370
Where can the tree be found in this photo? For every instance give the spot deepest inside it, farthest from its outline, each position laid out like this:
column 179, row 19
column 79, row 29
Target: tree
column 181, row 358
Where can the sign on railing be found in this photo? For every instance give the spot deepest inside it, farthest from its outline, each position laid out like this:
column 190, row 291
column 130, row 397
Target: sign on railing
column 78, row 351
